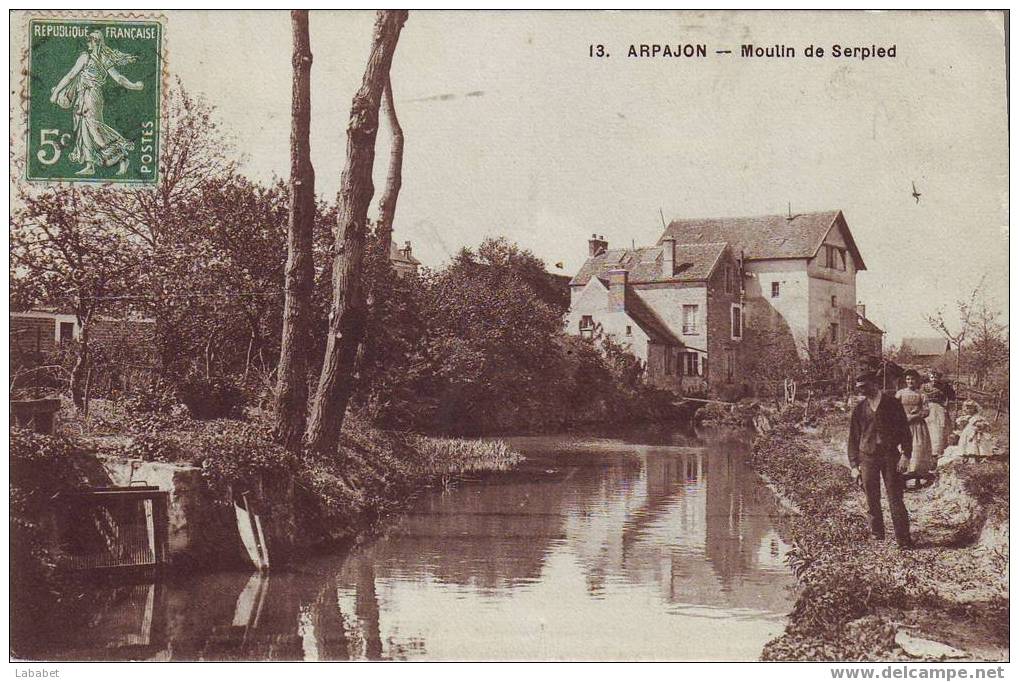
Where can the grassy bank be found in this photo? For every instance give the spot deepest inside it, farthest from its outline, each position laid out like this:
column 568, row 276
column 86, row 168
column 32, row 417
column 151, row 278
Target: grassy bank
column 859, row 599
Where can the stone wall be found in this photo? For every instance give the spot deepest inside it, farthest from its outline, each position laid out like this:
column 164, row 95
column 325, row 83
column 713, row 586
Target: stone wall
column 203, row 524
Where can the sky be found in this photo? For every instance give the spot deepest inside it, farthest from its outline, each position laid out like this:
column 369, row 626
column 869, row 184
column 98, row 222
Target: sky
column 513, row 129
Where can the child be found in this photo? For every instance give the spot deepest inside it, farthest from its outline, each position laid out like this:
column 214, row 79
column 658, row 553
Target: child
column 975, row 438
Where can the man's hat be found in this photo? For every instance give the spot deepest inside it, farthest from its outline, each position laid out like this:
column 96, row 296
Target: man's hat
column 866, row 378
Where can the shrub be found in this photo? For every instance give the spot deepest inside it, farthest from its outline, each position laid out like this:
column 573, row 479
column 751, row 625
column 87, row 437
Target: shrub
column 988, row 483
column 211, row 398
column 40, row 467
column 159, row 397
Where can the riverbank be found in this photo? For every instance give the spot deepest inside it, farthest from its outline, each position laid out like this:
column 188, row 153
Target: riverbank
column 313, row 505
column 859, row 599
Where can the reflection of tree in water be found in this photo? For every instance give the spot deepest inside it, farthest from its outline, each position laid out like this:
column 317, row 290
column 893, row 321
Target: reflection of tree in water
column 692, row 522
column 738, row 517
column 704, row 512
column 493, row 537
column 368, row 607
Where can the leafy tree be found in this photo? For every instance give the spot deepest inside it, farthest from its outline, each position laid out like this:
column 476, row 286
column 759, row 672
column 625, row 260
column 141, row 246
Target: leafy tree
column 493, row 338
column 394, row 369
column 987, row 348
column 195, row 150
column 63, row 254
column 225, row 292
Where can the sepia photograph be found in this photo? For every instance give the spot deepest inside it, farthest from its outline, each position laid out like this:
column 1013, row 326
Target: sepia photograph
column 504, row 336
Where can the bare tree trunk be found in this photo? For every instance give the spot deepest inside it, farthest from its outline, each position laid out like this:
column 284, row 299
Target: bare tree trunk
column 387, row 204
column 347, row 315
column 394, row 179
column 292, row 374
column 81, row 361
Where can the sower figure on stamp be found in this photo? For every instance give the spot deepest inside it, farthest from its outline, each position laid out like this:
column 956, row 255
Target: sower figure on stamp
column 880, row 446
column 81, row 90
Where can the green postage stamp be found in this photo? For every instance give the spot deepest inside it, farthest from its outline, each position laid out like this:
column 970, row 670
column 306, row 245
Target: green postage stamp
column 94, row 89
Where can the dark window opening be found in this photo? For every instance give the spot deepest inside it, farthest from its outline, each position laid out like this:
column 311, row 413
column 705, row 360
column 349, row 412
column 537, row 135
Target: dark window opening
column 66, row 332
column 692, row 368
column 774, row 289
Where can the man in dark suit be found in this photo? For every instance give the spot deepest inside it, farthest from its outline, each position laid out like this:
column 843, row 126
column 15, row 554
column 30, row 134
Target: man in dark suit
column 880, row 445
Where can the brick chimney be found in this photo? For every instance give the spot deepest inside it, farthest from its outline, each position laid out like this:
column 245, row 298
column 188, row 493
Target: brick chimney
column 668, row 257
column 861, row 310
column 617, row 290
column 596, row 246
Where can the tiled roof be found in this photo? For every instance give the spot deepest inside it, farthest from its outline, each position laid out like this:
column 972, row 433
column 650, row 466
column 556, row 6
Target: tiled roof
column 925, row 345
column 763, row 237
column 638, row 309
column 865, row 325
column 694, row 263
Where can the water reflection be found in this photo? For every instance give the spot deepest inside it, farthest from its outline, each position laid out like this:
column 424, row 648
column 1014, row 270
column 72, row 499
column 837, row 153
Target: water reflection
column 597, row 549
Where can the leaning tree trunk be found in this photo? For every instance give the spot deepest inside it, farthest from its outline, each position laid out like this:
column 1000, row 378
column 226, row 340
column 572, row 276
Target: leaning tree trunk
column 347, row 314
column 387, row 204
column 292, row 373
column 394, row 179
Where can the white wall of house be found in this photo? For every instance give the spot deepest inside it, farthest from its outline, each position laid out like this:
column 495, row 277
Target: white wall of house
column 826, row 283
column 668, row 301
column 793, row 300
column 593, row 299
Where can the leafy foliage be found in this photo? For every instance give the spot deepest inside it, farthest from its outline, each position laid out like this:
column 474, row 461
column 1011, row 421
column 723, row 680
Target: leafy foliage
column 211, row 397
column 479, row 347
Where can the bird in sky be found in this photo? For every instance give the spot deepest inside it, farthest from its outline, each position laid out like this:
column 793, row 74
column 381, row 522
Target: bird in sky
column 916, row 195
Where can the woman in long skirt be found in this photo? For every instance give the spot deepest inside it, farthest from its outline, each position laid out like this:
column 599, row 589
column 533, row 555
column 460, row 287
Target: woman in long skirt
column 937, row 419
column 915, row 405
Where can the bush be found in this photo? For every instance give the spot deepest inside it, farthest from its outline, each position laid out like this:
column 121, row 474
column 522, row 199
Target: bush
column 159, row 397
column 211, row 398
column 40, row 467
column 988, row 483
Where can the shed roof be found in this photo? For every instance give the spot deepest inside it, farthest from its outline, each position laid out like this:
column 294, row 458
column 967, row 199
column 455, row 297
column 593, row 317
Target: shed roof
column 766, row 237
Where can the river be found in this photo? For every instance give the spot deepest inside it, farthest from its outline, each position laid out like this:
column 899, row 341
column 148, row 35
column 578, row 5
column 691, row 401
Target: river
column 648, row 547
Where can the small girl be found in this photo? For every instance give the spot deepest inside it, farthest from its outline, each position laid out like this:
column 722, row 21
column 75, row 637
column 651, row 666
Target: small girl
column 975, row 438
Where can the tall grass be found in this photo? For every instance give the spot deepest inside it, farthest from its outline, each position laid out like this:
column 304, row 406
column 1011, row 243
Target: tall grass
column 456, row 456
